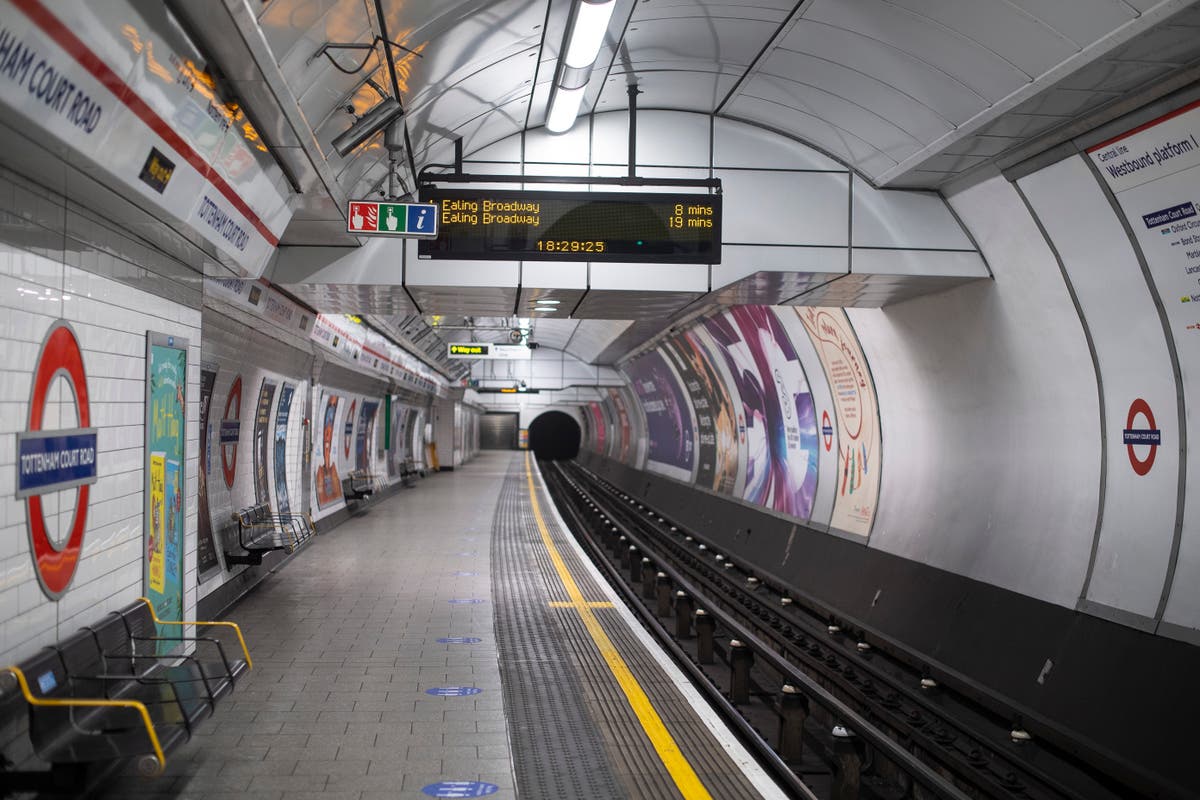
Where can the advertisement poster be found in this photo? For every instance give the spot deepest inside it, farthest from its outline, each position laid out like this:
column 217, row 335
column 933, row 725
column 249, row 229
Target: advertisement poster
column 668, row 416
column 206, row 551
column 777, row 409
column 597, row 427
column 413, row 427
column 329, row 485
column 857, row 412
column 348, row 432
column 395, row 453
column 155, row 550
column 716, row 424
column 262, row 422
column 166, row 381
column 282, row 501
column 623, row 446
column 366, row 436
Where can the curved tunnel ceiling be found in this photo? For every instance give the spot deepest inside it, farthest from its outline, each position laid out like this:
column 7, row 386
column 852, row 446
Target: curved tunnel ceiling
column 907, row 92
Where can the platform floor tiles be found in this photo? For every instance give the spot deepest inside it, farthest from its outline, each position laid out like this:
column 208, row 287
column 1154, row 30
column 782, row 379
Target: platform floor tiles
column 356, row 692
column 345, row 644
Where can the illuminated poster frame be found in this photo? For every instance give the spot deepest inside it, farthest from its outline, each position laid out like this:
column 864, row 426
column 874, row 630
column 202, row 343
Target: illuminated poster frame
column 165, row 477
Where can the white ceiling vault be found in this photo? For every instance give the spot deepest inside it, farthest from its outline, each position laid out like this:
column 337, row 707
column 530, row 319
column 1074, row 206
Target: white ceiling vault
column 906, row 93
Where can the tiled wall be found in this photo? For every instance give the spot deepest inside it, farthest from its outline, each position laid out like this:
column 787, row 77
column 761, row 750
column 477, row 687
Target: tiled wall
column 57, row 263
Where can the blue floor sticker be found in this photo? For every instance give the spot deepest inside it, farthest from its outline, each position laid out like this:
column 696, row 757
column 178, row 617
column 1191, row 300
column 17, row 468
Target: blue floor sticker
column 459, row 640
column 464, row 574
column 465, row 601
column 460, row 789
column 453, row 691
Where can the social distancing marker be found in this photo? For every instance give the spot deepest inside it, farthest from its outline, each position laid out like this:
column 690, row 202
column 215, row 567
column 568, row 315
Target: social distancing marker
column 453, row 691
column 459, row 640
column 460, row 789
column 686, row 779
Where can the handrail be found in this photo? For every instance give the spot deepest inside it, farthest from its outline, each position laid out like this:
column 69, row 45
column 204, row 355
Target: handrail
column 34, row 700
column 234, row 625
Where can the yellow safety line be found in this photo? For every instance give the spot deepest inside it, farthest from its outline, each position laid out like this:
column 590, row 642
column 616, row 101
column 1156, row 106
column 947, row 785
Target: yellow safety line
column 664, row 744
column 594, row 604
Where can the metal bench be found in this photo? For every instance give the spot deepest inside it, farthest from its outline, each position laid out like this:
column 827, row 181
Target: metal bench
column 260, row 531
column 408, row 473
column 105, row 694
column 359, row 485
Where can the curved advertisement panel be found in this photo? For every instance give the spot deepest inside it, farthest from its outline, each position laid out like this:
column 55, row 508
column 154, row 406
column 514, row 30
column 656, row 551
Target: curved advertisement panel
column 329, row 483
column 624, row 444
column 716, row 420
column 668, row 416
column 777, row 411
column 597, row 427
column 857, row 411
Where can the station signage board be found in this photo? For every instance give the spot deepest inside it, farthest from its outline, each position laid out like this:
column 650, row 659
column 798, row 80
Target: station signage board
column 370, row 218
column 634, row 227
column 488, row 351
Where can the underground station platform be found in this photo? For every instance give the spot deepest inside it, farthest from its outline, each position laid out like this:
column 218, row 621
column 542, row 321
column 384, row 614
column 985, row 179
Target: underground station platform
column 453, row 642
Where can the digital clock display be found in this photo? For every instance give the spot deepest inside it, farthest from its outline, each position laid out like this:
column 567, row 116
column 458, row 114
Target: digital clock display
column 645, row 227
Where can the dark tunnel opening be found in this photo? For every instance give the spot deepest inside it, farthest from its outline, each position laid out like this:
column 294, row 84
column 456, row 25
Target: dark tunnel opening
column 554, row 436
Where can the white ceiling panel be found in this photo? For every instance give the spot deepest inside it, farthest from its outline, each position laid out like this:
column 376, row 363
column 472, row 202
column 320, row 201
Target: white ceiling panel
column 986, row 72
column 664, row 86
column 906, row 72
column 1069, row 18
column 838, row 142
column 903, row 110
column 1025, row 41
column 857, row 114
column 617, row 304
column 696, row 41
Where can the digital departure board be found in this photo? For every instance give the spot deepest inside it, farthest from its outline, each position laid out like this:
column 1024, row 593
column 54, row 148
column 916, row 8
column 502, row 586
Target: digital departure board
column 575, row 226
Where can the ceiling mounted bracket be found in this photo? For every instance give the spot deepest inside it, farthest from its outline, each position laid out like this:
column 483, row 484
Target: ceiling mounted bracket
column 633, row 91
column 325, row 48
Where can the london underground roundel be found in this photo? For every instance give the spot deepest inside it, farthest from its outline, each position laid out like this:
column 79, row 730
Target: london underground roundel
column 1146, row 436
column 231, row 431
column 56, row 459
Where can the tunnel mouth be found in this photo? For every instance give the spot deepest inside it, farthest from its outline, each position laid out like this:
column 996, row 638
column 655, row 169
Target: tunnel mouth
column 554, row 436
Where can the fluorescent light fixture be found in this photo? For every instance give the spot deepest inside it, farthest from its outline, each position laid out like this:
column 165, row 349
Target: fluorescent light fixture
column 588, row 26
column 591, row 23
column 548, row 302
column 564, row 107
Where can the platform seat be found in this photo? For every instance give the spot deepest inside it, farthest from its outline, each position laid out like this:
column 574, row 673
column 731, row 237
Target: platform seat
column 359, row 485
column 261, row 531
column 107, row 693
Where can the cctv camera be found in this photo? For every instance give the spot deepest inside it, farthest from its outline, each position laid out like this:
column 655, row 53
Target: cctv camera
column 367, row 126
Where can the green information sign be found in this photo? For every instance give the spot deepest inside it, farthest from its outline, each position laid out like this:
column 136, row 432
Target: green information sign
column 392, row 219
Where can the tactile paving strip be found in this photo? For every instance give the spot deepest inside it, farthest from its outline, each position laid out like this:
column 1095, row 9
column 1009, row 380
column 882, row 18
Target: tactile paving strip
column 614, row 736
column 557, row 748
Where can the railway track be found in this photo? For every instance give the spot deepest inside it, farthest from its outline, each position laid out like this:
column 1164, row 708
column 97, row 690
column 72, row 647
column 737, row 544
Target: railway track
column 833, row 711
